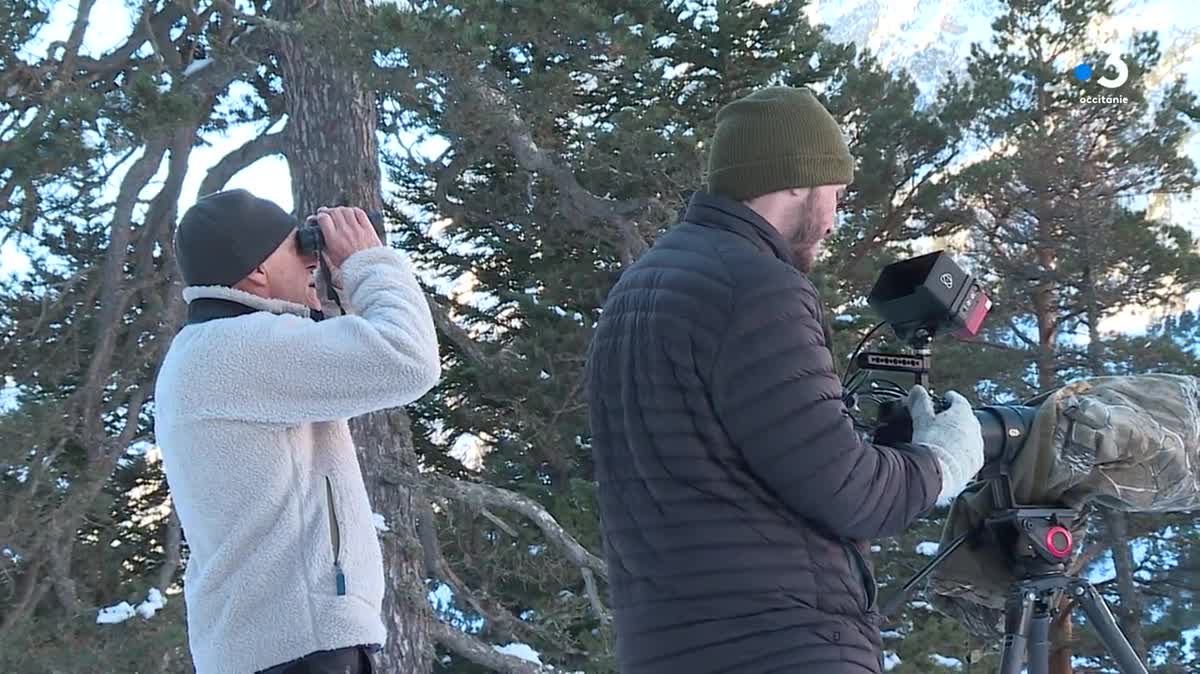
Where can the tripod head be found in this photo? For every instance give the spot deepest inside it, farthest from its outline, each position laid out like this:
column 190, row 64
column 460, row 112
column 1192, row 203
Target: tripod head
column 1039, row 545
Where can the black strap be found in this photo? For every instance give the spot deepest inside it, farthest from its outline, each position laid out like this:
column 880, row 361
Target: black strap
column 210, row 309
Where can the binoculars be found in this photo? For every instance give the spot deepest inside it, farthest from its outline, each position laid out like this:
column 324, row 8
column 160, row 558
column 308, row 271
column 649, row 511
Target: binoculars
column 312, row 239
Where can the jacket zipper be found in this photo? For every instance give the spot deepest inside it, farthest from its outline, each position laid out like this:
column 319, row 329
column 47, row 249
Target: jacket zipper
column 335, row 536
column 870, row 586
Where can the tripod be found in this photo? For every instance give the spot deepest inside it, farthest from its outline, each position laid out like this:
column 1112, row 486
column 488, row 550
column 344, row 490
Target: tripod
column 1039, row 543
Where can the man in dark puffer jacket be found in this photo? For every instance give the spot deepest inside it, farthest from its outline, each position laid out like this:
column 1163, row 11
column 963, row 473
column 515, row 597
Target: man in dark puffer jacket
column 735, row 493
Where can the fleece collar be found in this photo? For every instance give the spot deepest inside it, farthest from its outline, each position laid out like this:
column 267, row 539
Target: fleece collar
column 268, row 304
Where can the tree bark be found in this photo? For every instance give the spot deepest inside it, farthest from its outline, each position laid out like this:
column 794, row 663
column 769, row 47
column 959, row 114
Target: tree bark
column 1129, row 613
column 1045, row 306
column 385, row 444
column 334, row 158
column 172, row 551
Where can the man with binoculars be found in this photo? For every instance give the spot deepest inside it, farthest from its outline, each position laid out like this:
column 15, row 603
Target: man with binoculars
column 285, row 573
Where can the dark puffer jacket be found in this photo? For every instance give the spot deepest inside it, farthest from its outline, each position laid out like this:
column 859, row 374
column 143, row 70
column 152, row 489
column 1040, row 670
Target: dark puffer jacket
column 734, row 491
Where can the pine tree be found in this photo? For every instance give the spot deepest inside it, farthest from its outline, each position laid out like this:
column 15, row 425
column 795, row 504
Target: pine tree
column 616, row 105
column 1052, row 217
column 83, row 334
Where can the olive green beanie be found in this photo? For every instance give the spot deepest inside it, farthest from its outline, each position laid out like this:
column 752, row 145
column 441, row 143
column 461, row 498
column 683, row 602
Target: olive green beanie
column 775, row 139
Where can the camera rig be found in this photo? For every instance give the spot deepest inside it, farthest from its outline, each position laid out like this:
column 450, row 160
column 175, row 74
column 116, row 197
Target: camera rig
column 921, row 298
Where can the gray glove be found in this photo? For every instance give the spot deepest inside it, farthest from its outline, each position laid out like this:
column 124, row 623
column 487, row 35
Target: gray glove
column 953, row 436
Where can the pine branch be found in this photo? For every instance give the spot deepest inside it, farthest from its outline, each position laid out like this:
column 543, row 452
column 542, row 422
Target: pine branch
column 581, row 206
column 475, row 650
column 267, row 22
column 1030, row 342
column 480, row 601
column 479, row 495
column 262, row 146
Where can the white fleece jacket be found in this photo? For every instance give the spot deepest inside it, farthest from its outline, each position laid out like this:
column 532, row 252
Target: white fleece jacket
column 250, row 413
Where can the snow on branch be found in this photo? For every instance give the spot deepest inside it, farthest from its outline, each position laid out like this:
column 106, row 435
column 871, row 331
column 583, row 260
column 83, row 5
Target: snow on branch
column 475, row 650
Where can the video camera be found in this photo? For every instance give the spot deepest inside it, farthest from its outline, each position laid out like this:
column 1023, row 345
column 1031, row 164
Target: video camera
column 920, row 298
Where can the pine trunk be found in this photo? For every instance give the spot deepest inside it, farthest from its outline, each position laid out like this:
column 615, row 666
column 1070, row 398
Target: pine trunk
column 1129, row 613
column 334, row 158
column 1045, row 304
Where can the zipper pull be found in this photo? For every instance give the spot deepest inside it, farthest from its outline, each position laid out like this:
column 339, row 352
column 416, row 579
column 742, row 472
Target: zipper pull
column 341, row 579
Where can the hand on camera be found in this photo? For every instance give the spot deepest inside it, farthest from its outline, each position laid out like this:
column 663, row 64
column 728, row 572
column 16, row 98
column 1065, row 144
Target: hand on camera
column 953, row 435
column 346, row 231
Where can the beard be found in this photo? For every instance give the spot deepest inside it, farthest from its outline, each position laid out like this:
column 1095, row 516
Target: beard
column 806, row 235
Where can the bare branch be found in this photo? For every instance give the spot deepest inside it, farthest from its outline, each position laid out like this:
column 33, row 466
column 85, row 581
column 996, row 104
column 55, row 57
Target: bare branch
column 267, row 22
column 504, row 526
column 30, row 591
column 470, row 348
column 168, row 57
column 73, row 43
column 501, row 618
column 582, row 206
column 60, row 578
column 253, row 150
column 478, row 495
column 113, row 298
column 481, row 654
column 589, row 581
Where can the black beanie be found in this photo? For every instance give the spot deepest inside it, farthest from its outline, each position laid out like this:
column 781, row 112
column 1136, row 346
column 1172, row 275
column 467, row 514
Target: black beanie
column 225, row 235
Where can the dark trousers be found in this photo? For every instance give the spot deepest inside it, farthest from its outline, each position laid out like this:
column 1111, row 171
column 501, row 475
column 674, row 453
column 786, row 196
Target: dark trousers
column 353, row 660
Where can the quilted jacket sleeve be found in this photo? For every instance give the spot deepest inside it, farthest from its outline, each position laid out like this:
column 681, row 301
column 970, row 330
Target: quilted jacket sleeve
column 777, row 394
column 384, row 355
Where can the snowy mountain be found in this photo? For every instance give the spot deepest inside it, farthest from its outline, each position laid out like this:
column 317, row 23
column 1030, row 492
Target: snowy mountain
column 932, row 38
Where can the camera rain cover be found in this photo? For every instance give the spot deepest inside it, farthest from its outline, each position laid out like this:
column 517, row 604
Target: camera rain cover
column 1131, row 444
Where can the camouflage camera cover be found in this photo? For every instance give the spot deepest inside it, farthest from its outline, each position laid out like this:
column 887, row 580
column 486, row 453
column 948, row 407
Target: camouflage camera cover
column 1127, row 443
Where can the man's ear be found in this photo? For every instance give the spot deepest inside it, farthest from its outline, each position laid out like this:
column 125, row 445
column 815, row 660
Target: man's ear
column 257, row 278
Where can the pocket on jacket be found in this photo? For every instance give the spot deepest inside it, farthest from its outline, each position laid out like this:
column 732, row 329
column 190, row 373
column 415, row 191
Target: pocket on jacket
column 870, row 586
column 335, row 537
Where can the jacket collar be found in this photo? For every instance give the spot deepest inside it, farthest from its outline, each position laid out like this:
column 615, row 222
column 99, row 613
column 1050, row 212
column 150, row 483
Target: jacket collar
column 251, row 302
column 721, row 212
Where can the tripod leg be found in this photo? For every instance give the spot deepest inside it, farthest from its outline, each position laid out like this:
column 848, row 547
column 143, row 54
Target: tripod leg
column 1039, row 641
column 1106, row 626
column 1018, row 618
column 893, row 604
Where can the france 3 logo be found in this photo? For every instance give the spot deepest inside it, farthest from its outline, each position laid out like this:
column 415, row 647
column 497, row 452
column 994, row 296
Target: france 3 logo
column 1084, row 72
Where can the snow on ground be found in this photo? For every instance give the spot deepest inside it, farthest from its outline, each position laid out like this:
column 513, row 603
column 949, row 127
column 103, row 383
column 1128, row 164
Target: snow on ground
column 119, row 613
column 928, row 548
column 953, row 663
